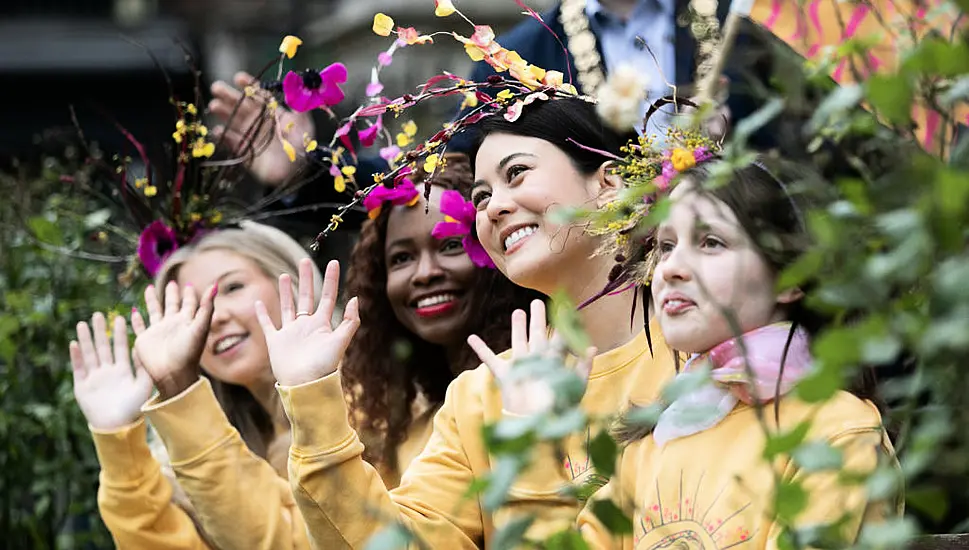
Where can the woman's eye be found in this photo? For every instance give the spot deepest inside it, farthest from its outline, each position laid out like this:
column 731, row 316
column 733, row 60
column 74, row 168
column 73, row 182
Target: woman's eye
column 452, row 245
column 514, row 171
column 665, row 247
column 399, row 258
column 712, row 242
column 231, row 287
column 478, row 198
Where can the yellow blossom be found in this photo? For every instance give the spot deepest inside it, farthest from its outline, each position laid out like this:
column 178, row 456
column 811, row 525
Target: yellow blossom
column 201, row 130
column 335, row 221
column 250, row 91
column 474, row 52
column 409, row 128
column 430, row 163
column 141, row 182
column 289, row 45
column 151, row 191
column 403, row 140
column 216, row 217
column 195, row 217
column 102, row 236
column 506, row 94
column 682, row 159
column 311, row 145
column 339, row 183
column 190, row 108
column 202, row 149
column 290, row 151
column 349, row 171
column 272, row 105
column 289, row 126
column 470, row 100
column 443, row 8
column 382, row 24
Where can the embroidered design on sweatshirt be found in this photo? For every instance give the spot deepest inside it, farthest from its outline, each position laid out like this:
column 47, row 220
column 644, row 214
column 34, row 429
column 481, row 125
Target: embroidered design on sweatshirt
column 578, row 463
column 690, row 522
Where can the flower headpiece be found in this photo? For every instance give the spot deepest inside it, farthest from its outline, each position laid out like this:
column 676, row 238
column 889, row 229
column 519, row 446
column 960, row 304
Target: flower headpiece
column 458, row 221
column 403, row 193
column 177, row 187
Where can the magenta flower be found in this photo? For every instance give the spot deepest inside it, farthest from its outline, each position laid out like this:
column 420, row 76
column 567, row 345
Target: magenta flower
column 368, row 136
column 403, row 193
column 155, row 245
column 459, row 217
column 313, row 89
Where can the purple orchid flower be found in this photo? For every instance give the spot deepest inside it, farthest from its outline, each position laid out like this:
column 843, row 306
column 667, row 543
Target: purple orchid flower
column 156, row 243
column 459, row 217
column 311, row 89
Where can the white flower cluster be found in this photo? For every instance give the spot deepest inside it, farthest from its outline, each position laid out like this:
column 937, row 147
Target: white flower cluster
column 620, row 99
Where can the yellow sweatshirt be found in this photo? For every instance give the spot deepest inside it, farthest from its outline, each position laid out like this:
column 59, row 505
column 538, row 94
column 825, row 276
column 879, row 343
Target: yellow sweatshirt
column 240, row 499
column 345, row 502
column 713, row 490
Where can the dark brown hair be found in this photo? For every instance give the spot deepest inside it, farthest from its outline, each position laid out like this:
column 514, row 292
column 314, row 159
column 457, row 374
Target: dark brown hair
column 772, row 214
column 387, row 365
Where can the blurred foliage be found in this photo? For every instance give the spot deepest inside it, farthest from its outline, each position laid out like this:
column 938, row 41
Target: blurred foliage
column 48, row 468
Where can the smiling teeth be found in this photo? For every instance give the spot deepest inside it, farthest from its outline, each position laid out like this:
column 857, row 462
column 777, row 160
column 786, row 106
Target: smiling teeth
column 518, row 235
column 435, row 300
column 227, row 343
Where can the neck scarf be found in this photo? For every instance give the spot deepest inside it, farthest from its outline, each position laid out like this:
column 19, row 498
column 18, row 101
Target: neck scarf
column 753, row 377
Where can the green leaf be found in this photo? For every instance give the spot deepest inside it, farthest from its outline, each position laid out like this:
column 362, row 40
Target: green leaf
column 45, row 230
column 817, row 456
column 789, row 500
column 837, row 102
column 510, row 535
column 500, row 480
column 560, row 426
column 892, row 96
column 758, row 119
column 612, row 517
column 891, row 533
column 802, row 270
column 566, row 321
column 821, row 384
column 935, row 56
column 603, row 451
column 931, row 501
column 785, row 442
column 566, row 540
column 390, row 538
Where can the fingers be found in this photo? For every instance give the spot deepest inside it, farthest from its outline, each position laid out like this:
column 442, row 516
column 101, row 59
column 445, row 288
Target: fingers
column 497, row 366
column 538, row 329
column 152, row 305
column 243, row 79
column 351, row 322
column 172, row 298
column 265, row 321
column 120, row 336
column 137, row 321
column 230, row 138
column 101, row 344
column 77, row 361
column 286, row 312
column 87, row 346
column 190, row 300
column 519, row 334
column 304, row 300
column 203, row 318
column 331, row 286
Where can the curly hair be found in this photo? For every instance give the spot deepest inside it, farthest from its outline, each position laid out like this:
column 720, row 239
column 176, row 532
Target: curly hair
column 387, row 366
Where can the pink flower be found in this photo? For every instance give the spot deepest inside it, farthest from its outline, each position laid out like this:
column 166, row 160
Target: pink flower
column 389, row 153
column 384, row 58
column 404, row 193
column 368, row 136
column 459, row 216
column 155, row 244
column 313, row 89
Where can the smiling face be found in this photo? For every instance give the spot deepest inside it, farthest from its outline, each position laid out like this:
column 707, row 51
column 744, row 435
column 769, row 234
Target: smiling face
column 235, row 351
column 429, row 280
column 519, row 182
column 709, row 266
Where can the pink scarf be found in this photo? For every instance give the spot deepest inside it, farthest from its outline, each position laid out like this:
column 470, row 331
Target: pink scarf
column 754, row 377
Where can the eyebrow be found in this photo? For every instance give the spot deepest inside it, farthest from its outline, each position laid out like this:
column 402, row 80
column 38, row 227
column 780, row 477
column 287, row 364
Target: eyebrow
column 502, row 163
column 226, row 274
column 399, row 242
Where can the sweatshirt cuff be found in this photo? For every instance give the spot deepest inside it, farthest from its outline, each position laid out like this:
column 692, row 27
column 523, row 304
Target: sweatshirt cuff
column 318, row 415
column 123, row 453
column 190, row 424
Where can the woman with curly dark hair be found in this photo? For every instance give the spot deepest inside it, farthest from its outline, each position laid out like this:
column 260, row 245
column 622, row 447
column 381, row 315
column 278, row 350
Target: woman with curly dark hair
column 420, row 297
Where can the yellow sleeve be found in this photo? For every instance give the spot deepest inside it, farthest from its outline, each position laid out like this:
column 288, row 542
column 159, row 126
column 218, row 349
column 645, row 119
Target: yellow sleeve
column 135, row 499
column 343, row 498
column 830, row 499
column 240, row 500
column 593, row 532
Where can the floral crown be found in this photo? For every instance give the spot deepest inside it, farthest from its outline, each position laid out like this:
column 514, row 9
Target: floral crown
column 180, row 186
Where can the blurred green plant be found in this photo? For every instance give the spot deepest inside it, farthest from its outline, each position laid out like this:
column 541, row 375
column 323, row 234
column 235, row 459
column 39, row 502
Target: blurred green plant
column 48, row 468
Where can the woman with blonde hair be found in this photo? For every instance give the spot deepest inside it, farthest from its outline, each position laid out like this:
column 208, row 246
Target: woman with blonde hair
column 222, row 432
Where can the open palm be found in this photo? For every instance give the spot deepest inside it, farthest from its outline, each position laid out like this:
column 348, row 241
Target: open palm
column 171, row 347
column 238, row 114
column 106, row 388
column 307, row 347
column 527, row 395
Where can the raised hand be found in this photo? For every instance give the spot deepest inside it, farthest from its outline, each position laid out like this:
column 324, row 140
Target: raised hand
column 307, row 347
column 270, row 164
column 106, row 388
column 171, row 347
column 522, row 395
